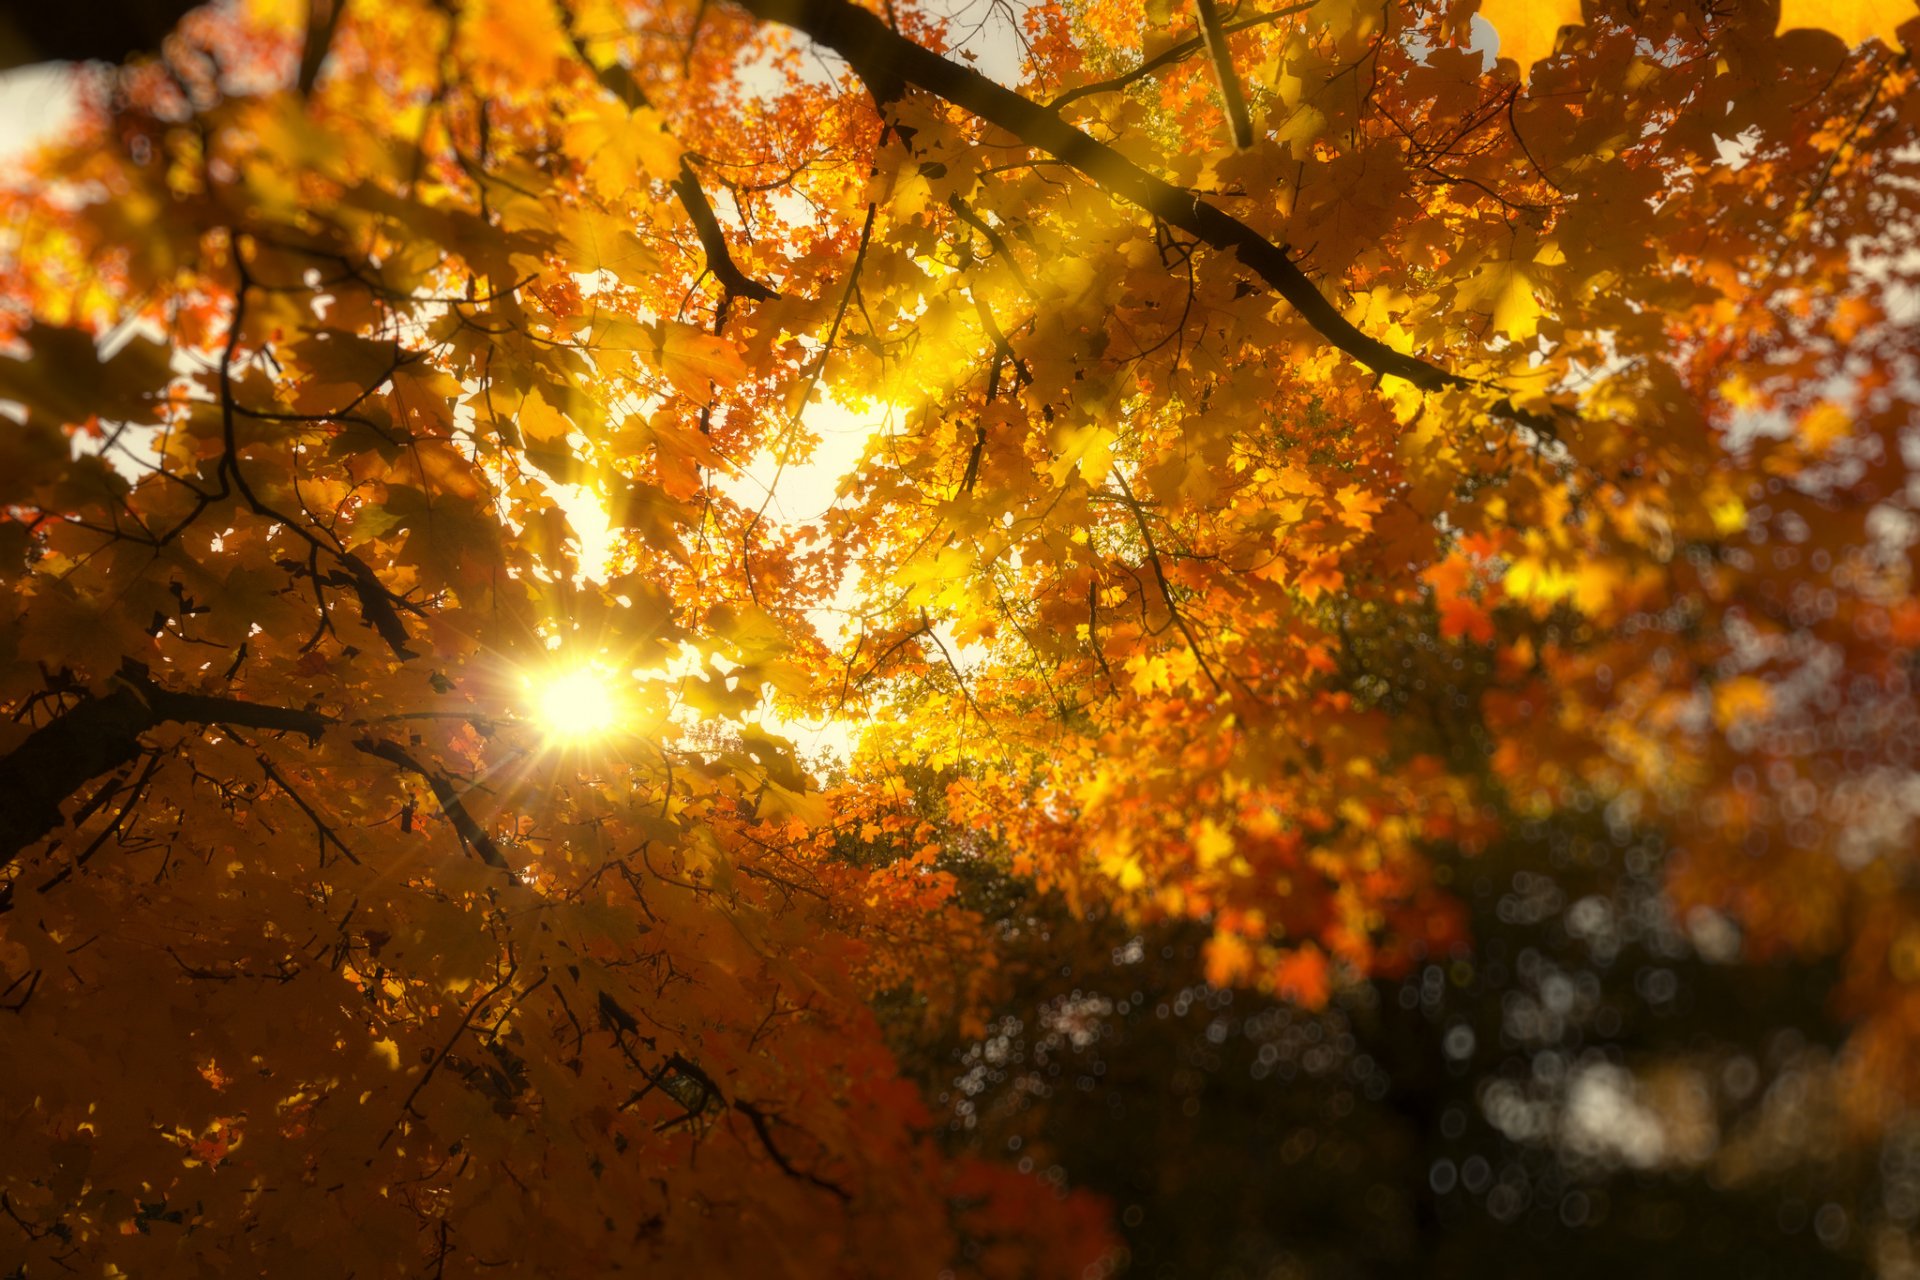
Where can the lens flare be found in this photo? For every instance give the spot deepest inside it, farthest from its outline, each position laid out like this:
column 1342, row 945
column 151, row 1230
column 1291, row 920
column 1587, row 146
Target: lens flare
column 577, row 705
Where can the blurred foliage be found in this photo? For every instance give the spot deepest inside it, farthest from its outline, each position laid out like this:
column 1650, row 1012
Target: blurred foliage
column 1592, row 1088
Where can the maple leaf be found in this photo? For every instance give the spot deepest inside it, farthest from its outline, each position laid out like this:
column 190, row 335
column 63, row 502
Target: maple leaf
column 1303, row 974
column 1229, row 959
column 1739, row 700
column 1509, row 289
column 696, row 363
column 1462, row 617
column 64, row 380
column 1854, row 21
column 1823, row 425
column 540, row 421
column 1529, row 29
column 620, row 146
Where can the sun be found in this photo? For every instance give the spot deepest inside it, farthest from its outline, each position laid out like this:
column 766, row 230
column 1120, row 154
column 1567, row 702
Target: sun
column 577, row 705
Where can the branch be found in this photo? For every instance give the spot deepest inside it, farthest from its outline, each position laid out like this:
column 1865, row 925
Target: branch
column 323, row 19
column 992, row 237
column 1166, row 589
column 620, row 82
column 712, row 240
column 889, row 63
column 323, row 830
column 98, row 31
column 134, row 795
column 460, row 1029
column 1232, row 98
column 103, row 734
column 764, row 1130
column 1170, row 55
column 376, row 602
column 471, row 832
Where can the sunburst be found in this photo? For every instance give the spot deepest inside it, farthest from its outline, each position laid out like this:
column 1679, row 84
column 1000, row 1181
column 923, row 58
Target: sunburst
column 578, row 705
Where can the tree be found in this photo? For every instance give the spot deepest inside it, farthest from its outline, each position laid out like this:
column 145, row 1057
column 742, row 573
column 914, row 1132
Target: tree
column 401, row 876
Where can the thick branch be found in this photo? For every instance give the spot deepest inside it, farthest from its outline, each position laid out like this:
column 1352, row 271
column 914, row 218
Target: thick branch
column 323, row 19
column 103, row 734
column 1232, row 97
column 471, row 832
column 712, row 240
column 376, row 602
column 889, row 63
column 619, row 82
column 98, row 31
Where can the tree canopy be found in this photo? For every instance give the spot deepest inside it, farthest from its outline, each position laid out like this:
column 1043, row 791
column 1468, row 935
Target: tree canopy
column 1371, row 505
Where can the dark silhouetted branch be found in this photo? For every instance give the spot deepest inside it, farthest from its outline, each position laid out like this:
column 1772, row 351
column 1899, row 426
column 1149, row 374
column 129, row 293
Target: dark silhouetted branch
column 889, row 63
column 103, row 733
column 471, row 832
column 619, row 82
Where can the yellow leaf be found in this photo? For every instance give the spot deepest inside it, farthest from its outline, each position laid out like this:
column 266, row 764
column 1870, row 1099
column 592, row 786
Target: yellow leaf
column 1358, row 507
column 1724, row 508
column 65, row 380
column 911, row 196
column 622, row 148
column 697, row 362
column 596, row 242
column 542, row 422
column 1088, row 449
column 388, row 1052
column 1121, row 863
column 1212, row 843
column 1150, row 674
column 520, row 42
column 1507, row 290
column 1301, row 128
column 1529, row 28
column 1543, row 579
column 1855, row 21
column 646, row 508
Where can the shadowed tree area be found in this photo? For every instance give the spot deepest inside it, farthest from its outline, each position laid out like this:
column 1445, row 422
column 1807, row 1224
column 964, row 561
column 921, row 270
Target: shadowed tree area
column 1583, row 1092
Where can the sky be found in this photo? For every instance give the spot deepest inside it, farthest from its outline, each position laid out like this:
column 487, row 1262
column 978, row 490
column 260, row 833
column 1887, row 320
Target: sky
column 34, row 103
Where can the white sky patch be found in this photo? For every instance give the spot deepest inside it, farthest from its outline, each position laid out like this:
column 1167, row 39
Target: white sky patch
column 800, row 494
column 36, row 103
column 804, row 490
column 595, row 541
column 1735, row 152
column 987, row 36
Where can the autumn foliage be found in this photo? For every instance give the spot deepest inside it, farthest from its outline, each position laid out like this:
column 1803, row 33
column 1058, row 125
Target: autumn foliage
column 1245, row 536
